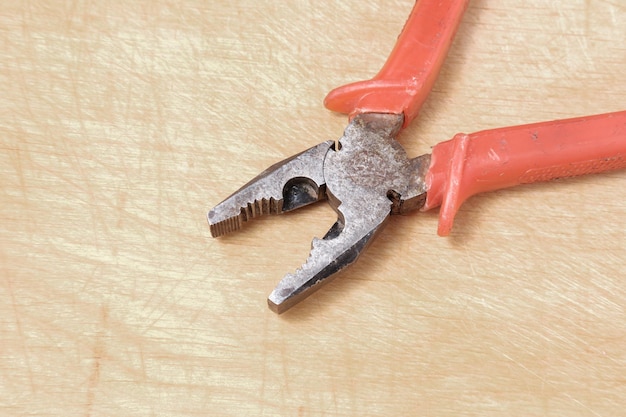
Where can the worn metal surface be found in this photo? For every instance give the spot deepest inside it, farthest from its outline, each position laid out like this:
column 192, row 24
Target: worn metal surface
column 366, row 177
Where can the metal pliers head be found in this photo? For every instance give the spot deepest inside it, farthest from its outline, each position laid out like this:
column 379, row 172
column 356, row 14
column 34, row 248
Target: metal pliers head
column 365, row 176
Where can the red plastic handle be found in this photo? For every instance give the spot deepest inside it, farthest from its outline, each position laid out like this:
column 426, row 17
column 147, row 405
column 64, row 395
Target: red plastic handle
column 407, row 77
column 500, row 158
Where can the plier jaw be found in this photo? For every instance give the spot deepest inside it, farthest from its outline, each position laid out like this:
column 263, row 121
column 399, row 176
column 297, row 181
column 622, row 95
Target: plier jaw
column 287, row 185
column 368, row 177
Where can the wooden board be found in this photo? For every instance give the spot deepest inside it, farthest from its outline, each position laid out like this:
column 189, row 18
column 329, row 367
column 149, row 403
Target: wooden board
column 123, row 123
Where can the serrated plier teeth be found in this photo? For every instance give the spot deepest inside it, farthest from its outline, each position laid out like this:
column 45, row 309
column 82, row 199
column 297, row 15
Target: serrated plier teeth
column 340, row 248
column 285, row 186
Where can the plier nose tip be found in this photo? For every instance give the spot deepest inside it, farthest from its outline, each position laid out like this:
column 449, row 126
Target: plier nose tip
column 340, row 248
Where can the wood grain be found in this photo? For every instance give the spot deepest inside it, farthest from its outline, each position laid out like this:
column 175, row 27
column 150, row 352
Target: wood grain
column 122, row 123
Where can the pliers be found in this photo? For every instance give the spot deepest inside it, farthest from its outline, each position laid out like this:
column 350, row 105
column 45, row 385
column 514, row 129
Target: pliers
column 366, row 175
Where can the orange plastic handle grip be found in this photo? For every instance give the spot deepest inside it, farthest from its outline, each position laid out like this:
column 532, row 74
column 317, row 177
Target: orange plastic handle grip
column 500, row 158
column 402, row 85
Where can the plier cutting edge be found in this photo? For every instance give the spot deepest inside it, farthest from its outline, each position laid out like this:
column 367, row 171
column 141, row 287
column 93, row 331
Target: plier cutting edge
column 366, row 176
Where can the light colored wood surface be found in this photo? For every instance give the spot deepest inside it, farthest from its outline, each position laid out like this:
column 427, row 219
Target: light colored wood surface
column 122, row 123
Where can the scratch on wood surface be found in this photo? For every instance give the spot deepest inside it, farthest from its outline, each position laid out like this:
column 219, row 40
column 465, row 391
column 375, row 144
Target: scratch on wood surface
column 587, row 18
column 98, row 354
column 580, row 403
